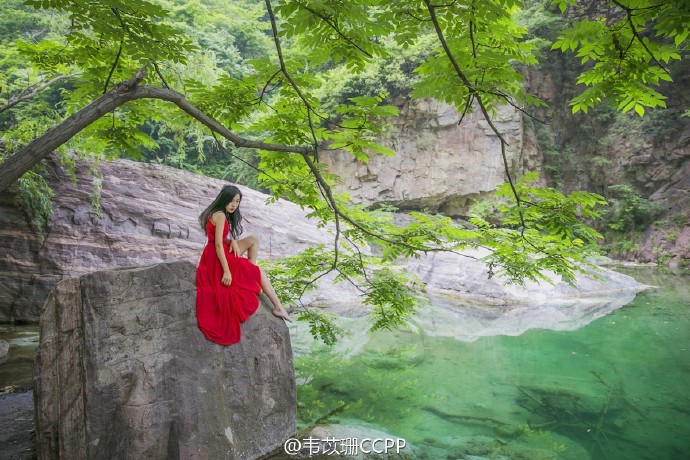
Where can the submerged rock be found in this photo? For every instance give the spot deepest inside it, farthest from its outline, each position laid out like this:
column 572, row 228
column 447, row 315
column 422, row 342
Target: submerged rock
column 17, row 425
column 4, row 351
column 122, row 371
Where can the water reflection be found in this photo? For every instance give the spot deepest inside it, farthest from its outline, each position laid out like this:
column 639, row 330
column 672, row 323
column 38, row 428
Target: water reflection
column 469, row 322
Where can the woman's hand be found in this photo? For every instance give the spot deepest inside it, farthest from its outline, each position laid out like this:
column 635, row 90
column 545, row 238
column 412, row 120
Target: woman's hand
column 235, row 248
column 227, row 279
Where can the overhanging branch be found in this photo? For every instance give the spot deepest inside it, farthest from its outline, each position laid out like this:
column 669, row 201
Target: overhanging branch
column 30, row 155
column 629, row 12
column 473, row 91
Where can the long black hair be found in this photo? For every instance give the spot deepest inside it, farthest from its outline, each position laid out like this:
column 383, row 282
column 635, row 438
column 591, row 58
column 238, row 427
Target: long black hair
column 224, row 197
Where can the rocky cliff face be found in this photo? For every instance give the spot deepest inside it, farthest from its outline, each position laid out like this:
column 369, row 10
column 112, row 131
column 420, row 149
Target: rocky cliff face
column 605, row 148
column 122, row 371
column 149, row 215
column 661, row 172
column 440, row 165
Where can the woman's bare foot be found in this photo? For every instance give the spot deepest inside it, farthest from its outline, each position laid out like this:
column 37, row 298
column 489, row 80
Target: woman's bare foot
column 281, row 313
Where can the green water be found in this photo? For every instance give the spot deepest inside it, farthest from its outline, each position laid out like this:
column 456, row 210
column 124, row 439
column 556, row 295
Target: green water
column 23, row 340
column 616, row 388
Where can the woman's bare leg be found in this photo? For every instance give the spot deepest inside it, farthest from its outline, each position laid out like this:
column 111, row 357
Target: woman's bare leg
column 250, row 245
column 278, row 311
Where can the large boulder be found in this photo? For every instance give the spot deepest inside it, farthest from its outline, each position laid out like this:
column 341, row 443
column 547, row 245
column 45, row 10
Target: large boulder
column 463, row 276
column 122, row 371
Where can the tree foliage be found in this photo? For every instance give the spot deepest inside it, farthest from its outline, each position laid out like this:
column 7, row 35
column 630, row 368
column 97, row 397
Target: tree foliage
column 300, row 78
column 629, row 51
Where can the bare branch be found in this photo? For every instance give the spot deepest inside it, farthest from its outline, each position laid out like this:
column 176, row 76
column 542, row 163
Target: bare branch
column 328, row 196
column 468, row 104
column 636, row 34
column 34, row 90
column 510, row 102
column 237, row 157
column 265, row 88
column 112, row 67
column 160, row 75
column 116, row 12
column 407, row 12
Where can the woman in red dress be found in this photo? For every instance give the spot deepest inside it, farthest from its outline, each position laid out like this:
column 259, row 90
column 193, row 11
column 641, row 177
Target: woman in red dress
column 227, row 284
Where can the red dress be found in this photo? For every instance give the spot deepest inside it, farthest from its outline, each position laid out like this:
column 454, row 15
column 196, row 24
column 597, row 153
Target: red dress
column 220, row 309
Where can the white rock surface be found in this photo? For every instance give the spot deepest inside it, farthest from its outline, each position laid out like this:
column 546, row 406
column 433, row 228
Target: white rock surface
column 466, row 304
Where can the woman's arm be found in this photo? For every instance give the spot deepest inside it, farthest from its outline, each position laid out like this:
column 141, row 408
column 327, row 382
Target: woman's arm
column 218, row 220
column 234, row 247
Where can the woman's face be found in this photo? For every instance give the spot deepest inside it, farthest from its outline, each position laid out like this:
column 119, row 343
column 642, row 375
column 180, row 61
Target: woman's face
column 234, row 204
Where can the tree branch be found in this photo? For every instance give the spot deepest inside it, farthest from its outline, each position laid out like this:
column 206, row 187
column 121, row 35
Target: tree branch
column 324, row 187
column 160, row 75
column 478, row 97
column 237, row 157
column 31, row 92
column 112, row 67
column 472, row 90
column 636, row 34
column 119, row 49
column 30, row 155
column 287, row 75
column 335, row 27
column 509, row 100
column 336, row 209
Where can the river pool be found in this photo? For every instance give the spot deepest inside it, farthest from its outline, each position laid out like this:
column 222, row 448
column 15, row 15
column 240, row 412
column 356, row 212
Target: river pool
column 615, row 388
